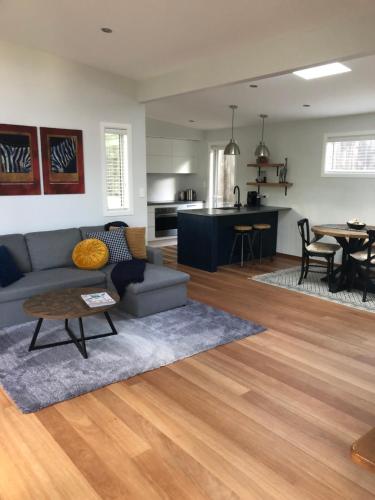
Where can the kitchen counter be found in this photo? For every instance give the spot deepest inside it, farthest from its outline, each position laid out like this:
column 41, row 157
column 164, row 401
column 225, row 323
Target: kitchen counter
column 215, row 212
column 206, row 235
column 157, row 203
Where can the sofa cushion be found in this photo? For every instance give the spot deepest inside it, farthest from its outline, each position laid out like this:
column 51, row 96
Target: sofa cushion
column 89, row 229
column 42, row 281
column 16, row 245
column 156, row 277
column 116, row 243
column 136, row 239
column 90, row 254
column 9, row 271
column 50, row 249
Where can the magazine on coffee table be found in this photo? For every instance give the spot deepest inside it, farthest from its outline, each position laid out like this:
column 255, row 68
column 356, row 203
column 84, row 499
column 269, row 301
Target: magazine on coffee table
column 99, row 299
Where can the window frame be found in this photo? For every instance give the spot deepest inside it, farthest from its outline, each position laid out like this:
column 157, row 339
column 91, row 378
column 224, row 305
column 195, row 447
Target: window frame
column 344, row 175
column 104, row 126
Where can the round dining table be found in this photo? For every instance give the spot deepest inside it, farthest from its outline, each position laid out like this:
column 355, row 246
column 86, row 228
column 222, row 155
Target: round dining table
column 350, row 240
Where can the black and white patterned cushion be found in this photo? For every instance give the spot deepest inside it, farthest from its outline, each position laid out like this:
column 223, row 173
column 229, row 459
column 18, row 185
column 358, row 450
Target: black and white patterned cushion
column 116, row 243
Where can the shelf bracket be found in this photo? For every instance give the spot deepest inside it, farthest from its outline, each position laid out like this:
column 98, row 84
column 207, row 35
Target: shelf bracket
column 286, row 190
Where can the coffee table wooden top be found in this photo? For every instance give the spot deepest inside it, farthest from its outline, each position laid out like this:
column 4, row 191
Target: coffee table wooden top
column 340, row 231
column 65, row 304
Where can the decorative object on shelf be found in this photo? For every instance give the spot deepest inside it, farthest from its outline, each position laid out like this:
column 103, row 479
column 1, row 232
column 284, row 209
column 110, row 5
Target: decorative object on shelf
column 232, row 147
column 62, row 159
column 262, row 152
column 19, row 162
column 282, row 173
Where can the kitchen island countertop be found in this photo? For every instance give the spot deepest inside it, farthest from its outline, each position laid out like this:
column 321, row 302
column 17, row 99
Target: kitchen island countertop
column 214, row 212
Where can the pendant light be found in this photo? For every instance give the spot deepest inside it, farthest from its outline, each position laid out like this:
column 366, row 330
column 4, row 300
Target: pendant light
column 262, row 152
column 232, row 147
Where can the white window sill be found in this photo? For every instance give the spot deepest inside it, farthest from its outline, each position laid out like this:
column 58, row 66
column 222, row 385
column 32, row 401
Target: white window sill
column 343, row 175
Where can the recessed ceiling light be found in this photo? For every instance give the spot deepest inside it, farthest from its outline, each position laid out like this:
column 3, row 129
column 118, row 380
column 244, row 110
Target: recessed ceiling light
column 306, row 105
column 253, row 86
column 321, row 71
column 106, row 30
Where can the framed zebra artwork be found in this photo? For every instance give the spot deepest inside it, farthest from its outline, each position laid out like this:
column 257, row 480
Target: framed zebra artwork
column 19, row 161
column 62, row 160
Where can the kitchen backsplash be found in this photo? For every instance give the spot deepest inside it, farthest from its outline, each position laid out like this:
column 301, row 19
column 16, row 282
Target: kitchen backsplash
column 164, row 187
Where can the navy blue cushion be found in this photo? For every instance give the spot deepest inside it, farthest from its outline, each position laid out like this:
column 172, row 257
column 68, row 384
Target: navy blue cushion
column 9, row 271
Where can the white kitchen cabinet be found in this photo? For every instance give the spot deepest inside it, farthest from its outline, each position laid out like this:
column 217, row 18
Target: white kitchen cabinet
column 181, row 147
column 171, row 156
column 159, row 146
column 183, row 165
column 150, row 223
column 159, row 164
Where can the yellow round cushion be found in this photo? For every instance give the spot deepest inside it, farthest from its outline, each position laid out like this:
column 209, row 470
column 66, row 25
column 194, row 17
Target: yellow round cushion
column 90, row 254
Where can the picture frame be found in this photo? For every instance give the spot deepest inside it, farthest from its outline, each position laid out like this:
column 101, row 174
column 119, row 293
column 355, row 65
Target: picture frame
column 62, row 161
column 19, row 160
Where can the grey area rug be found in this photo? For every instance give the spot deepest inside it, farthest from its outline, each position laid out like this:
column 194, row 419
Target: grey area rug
column 313, row 285
column 41, row 378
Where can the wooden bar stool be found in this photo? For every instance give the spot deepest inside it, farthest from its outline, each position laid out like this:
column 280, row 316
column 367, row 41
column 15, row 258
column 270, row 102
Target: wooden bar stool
column 243, row 232
column 259, row 230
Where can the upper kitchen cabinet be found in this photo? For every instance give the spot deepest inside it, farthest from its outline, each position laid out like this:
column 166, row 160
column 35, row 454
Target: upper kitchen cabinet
column 171, row 156
column 156, row 146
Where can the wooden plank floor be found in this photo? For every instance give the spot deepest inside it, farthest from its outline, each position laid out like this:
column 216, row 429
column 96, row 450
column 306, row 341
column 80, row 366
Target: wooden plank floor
column 269, row 417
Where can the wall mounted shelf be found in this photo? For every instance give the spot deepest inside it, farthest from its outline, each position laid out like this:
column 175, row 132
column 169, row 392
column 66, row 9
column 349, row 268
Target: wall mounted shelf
column 278, row 166
column 285, row 185
column 267, row 165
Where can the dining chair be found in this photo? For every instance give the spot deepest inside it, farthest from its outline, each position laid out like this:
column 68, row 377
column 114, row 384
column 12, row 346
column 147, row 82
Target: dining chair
column 365, row 258
column 315, row 249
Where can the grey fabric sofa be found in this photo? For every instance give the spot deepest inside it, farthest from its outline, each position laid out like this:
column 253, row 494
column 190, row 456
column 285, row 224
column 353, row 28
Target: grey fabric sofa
column 45, row 258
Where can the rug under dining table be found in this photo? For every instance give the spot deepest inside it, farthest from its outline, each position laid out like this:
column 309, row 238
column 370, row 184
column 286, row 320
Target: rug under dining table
column 314, row 286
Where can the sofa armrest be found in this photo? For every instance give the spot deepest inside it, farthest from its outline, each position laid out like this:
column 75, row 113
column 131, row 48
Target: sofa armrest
column 155, row 255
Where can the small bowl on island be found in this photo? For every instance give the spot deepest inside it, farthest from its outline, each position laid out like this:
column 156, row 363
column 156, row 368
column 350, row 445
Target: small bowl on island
column 356, row 224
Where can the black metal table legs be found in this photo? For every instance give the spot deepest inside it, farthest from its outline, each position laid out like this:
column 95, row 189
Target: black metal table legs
column 79, row 342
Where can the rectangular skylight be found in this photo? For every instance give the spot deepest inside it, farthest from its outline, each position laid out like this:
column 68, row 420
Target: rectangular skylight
column 321, row 71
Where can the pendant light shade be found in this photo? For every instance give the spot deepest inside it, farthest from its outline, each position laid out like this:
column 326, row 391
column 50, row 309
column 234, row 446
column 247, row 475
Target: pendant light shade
column 232, row 147
column 262, row 152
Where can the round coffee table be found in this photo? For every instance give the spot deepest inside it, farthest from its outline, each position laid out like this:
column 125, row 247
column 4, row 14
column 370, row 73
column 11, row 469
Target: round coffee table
column 67, row 304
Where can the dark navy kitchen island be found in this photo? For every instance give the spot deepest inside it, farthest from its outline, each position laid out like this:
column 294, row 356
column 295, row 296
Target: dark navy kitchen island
column 205, row 236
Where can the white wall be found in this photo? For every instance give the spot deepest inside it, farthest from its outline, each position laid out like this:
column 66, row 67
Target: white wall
column 165, row 186
column 159, row 128
column 43, row 90
column 323, row 200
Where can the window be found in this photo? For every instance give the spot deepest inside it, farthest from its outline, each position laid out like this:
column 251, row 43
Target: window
column 222, row 176
column 349, row 155
column 117, row 178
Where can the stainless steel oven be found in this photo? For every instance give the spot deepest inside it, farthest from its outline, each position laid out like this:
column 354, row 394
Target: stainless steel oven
column 165, row 221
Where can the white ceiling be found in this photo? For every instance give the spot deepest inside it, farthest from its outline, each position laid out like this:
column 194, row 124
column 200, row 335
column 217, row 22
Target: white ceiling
column 280, row 97
column 154, row 37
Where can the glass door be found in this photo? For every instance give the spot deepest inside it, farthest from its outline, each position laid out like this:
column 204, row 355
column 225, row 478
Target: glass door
column 222, row 177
